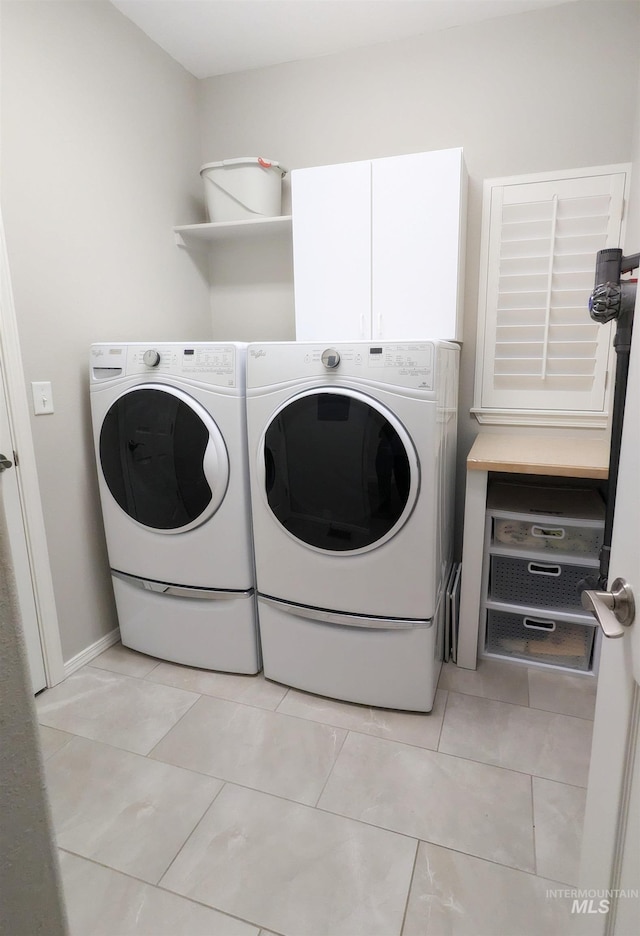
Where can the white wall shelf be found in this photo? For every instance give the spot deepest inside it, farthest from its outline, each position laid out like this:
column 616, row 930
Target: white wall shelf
column 202, row 235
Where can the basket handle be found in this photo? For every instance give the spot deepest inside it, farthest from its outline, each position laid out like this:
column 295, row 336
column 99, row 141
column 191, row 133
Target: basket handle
column 534, row 624
column 548, row 532
column 539, row 568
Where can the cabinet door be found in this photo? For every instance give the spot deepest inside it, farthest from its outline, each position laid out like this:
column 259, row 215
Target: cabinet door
column 418, row 244
column 331, row 209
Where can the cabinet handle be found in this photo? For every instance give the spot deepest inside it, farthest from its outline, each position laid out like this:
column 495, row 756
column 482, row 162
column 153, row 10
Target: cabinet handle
column 548, row 532
column 533, row 624
column 538, row 568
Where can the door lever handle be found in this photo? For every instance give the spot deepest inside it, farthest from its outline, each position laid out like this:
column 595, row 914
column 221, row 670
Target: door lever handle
column 614, row 610
column 5, row 463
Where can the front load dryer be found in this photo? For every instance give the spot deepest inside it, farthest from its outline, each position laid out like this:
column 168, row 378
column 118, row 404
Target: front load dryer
column 169, row 428
column 352, row 466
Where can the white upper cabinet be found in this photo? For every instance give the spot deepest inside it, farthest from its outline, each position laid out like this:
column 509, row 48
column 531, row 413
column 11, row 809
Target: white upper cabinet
column 331, row 217
column 378, row 248
column 540, row 358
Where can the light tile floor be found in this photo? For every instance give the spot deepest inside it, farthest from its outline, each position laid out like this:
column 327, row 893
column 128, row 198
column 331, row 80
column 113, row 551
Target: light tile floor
column 191, row 803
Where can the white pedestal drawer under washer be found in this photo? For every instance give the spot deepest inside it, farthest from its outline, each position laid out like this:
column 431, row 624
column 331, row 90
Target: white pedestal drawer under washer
column 170, row 438
column 352, row 463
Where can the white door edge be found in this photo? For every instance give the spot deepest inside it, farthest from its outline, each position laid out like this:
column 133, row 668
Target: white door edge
column 18, row 407
column 615, row 733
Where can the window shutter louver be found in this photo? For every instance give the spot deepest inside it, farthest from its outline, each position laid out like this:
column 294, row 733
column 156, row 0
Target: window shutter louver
column 539, row 350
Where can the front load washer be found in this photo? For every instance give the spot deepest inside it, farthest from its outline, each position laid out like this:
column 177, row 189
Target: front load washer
column 352, row 466
column 169, row 427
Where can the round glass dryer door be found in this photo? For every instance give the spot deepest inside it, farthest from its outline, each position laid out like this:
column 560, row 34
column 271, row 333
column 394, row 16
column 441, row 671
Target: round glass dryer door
column 163, row 458
column 341, row 473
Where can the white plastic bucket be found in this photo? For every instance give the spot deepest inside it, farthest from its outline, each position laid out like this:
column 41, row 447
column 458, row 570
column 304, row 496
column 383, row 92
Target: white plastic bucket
column 247, row 187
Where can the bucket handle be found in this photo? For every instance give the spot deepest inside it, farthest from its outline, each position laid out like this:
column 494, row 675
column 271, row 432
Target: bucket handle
column 262, row 162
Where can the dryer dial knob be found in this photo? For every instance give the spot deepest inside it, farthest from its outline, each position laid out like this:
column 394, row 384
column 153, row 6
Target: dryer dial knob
column 330, row 358
column 151, row 358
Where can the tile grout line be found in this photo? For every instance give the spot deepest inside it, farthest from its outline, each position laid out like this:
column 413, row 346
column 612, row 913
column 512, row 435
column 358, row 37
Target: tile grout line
column 415, row 747
column 167, row 890
column 213, row 695
column 417, row 838
column 491, row 861
column 362, row 733
column 189, row 836
column 68, row 740
column 277, row 708
column 105, row 669
column 122, row 750
column 515, row 770
column 328, row 777
column 444, row 715
column 157, row 887
column 310, row 721
column 409, row 889
column 530, row 708
column 121, row 676
column 533, row 830
column 170, row 729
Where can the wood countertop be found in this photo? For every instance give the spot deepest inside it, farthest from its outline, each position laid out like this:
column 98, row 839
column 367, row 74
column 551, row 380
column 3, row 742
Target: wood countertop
column 540, row 455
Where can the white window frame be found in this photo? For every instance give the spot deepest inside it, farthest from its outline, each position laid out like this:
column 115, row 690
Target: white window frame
column 535, row 416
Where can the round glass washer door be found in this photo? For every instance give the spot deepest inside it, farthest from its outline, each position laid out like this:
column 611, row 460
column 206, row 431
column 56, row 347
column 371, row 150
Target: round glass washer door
column 340, row 471
column 163, row 458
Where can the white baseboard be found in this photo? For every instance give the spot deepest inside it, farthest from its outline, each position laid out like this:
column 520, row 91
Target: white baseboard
column 90, row 653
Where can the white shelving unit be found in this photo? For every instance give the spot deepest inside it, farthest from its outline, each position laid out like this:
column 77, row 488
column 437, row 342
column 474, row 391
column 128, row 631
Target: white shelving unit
column 203, row 236
column 540, row 544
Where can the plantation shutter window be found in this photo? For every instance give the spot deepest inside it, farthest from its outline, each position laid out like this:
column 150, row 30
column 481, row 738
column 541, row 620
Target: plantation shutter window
column 541, row 359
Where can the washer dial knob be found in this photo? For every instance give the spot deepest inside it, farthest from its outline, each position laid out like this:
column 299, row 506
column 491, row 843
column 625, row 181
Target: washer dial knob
column 151, row 358
column 330, row 358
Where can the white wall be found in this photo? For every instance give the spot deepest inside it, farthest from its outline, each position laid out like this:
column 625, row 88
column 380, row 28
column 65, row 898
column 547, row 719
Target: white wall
column 532, row 92
column 100, row 157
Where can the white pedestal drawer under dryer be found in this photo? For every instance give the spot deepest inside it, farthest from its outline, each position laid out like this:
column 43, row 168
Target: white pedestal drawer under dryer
column 170, row 440
column 352, row 465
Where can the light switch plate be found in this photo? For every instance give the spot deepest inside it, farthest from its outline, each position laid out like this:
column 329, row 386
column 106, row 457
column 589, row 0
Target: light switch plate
column 42, row 397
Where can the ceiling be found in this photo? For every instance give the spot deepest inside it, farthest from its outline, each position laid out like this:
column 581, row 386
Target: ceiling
column 217, row 37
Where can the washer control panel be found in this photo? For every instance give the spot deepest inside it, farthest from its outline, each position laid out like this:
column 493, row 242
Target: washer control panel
column 218, row 364
column 403, row 363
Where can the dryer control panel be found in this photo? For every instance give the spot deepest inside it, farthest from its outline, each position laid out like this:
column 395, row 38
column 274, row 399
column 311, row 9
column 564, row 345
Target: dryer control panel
column 215, row 363
column 408, row 364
